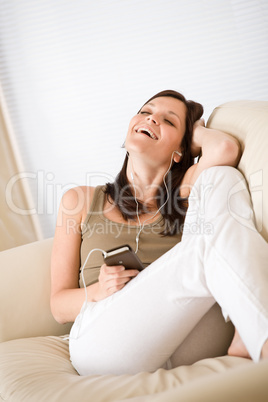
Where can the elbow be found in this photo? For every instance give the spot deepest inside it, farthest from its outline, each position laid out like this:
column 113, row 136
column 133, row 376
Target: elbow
column 230, row 152
column 55, row 312
column 58, row 318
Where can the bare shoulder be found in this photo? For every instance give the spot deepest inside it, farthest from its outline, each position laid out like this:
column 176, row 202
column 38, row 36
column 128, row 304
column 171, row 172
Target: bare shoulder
column 76, row 201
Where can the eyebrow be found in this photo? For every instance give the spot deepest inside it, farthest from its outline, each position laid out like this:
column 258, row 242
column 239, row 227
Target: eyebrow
column 169, row 111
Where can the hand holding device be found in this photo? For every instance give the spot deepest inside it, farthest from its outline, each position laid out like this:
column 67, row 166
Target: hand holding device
column 125, row 256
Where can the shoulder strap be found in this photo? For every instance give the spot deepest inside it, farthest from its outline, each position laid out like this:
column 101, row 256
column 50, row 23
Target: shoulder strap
column 96, row 203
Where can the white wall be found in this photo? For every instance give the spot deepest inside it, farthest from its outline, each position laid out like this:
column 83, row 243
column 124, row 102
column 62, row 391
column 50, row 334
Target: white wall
column 74, row 73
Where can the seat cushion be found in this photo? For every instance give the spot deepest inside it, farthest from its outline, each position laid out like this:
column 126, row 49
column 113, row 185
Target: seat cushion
column 39, row 368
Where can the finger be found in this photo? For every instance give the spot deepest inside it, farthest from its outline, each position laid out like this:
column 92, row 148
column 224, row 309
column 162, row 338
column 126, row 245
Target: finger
column 115, row 289
column 107, row 269
column 129, row 273
column 120, row 277
column 117, row 283
column 114, row 282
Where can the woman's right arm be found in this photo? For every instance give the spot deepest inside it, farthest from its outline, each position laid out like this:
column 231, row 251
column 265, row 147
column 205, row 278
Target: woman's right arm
column 66, row 297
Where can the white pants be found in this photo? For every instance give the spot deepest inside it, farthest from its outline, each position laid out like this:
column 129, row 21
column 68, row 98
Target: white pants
column 221, row 257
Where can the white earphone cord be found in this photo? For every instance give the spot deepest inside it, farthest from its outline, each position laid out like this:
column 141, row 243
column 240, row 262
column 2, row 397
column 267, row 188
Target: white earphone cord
column 83, row 308
column 141, row 226
column 83, row 267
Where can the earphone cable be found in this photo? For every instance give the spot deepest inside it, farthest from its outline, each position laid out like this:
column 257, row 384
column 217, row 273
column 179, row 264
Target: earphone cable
column 141, row 226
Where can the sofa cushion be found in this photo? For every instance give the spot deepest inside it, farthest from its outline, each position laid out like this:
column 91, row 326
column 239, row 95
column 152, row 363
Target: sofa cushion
column 39, row 369
column 25, row 292
column 245, row 383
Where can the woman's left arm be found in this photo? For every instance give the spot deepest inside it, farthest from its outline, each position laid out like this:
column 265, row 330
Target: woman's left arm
column 216, row 149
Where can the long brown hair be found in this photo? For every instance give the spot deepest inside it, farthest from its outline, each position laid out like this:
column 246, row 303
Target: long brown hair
column 119, row 192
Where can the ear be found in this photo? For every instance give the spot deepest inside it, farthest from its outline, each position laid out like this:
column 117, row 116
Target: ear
column 177, row 156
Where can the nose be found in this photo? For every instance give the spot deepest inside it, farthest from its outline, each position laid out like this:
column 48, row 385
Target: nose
column 153, row 118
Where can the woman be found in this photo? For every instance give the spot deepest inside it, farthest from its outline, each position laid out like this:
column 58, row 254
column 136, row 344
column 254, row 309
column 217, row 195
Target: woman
column 126, row 329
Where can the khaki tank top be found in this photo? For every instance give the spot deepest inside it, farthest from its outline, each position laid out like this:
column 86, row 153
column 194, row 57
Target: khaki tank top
column 100, row 232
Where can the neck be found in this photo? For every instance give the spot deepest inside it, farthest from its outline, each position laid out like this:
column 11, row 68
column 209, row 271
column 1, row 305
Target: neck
column 146, row 180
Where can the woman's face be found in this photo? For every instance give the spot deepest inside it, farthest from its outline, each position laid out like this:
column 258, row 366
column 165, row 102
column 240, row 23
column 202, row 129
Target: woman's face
column 157, row 130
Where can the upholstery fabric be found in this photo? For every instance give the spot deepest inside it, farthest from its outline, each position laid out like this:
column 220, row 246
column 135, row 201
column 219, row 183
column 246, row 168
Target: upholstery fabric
column 248, row 121
column 39, row 369
column 25, row 292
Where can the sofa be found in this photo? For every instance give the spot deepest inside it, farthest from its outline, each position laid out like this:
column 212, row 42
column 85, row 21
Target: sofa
column 34, row 356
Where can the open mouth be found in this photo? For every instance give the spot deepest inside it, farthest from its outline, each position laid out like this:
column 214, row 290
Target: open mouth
column 147, row 132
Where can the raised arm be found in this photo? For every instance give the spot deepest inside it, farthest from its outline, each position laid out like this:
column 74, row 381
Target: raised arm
column 216, row 149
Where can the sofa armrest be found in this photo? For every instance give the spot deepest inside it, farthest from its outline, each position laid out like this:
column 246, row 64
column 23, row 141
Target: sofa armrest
column 25, row 292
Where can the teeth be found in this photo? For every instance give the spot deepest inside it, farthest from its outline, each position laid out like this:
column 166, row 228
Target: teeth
column 146, row 130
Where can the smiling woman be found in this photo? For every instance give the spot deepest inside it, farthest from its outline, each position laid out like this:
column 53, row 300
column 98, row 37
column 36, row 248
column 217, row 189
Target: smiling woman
column 116, row 328
column 160, row 121
column 170, row 118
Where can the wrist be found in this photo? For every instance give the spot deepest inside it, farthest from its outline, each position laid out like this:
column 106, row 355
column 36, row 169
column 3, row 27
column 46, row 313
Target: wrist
column 93, row 292
column 199, row 133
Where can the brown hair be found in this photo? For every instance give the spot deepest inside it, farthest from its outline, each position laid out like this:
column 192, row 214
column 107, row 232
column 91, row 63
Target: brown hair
column 174, row 211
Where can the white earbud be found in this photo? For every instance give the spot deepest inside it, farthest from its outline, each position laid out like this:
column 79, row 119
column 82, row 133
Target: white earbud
column 178, row 153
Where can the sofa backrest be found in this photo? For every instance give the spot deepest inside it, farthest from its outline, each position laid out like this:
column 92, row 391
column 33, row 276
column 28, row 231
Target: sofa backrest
column 248, row 121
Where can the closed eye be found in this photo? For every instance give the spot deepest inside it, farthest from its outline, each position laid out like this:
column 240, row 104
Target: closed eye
column 169, row 122
column 166, row 120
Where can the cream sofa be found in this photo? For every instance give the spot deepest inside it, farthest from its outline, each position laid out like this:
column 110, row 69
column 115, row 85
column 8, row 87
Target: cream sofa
column 34, row 358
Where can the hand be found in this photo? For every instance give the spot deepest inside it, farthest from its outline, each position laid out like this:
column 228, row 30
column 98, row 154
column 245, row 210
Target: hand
column 196, row 140
column 112, row 279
